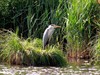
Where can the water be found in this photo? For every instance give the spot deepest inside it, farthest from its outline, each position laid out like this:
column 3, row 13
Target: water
column 16, row 70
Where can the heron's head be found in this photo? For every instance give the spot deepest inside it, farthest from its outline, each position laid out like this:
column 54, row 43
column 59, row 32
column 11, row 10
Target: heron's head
column 54, row 26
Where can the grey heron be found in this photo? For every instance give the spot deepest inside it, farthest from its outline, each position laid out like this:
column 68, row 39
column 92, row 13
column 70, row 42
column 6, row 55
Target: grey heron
column 48, row 33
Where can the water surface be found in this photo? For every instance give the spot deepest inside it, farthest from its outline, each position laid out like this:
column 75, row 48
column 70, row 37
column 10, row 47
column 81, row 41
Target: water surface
column 69, row 70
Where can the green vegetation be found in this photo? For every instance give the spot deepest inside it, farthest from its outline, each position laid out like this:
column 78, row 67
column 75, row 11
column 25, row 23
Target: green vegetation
column 79, row 19
column 32, row 16
column 78, row 26
column 29, row 52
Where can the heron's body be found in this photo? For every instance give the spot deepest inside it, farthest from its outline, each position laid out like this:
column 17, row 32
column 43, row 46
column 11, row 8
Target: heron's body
column 48, row 34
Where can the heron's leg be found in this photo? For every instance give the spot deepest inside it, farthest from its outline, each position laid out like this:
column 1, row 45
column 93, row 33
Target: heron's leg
column 46, row 45
column 47, row 42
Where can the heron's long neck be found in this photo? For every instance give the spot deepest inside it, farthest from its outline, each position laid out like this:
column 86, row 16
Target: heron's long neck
column 51, row 31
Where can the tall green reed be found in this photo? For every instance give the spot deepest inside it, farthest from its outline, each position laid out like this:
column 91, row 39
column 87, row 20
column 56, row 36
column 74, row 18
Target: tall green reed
column 78, row 26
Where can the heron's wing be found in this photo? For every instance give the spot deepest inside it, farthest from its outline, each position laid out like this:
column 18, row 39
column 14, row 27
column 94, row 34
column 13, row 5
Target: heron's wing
column 45, row 37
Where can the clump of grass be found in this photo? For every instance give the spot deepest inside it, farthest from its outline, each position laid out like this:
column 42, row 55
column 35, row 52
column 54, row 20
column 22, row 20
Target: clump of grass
column 37, row 43
column 51, row 57
column 29, row 52
column 12, row 51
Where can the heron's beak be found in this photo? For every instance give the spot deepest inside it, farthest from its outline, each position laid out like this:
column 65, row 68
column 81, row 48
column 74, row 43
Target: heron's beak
column 56, row 26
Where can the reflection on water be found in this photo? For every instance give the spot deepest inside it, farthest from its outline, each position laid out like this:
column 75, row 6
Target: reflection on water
column 15, row 70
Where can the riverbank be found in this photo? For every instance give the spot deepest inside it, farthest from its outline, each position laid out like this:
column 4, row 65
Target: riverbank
column 29, row 52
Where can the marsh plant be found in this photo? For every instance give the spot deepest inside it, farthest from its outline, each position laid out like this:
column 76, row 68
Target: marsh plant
column 79, row 28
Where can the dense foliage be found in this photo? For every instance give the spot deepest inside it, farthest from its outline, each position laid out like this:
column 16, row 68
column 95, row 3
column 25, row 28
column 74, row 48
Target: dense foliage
column 31, row 16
